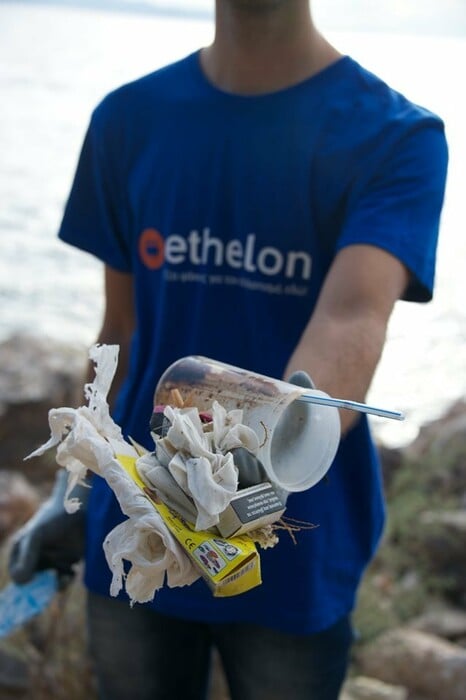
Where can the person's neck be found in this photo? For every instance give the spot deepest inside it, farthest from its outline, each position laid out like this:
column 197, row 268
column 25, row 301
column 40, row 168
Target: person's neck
column 256, row 52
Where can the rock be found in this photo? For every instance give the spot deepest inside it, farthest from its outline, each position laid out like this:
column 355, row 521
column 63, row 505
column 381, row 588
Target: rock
column 441, row 446
column 18, row 502
column 443, row 536
column 36, row 374
column 421, row 662
column 438, row 434
column 448, row 623
column 14, row 673
column 363, row 688
column 33, row 368
column 391, row 459
column 453, row 520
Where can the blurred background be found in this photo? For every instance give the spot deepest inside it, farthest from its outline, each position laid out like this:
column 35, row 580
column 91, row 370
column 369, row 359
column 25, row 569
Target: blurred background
column 58, row 59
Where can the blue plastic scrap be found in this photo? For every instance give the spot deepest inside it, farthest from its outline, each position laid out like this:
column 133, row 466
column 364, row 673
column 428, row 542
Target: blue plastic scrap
column 20, row 602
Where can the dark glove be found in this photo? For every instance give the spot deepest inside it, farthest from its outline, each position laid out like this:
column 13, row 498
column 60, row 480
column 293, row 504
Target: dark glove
column 52, row 538
column 301, row 378
column 250, row 469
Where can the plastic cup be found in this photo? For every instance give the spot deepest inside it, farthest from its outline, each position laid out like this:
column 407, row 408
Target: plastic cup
column 298, row 440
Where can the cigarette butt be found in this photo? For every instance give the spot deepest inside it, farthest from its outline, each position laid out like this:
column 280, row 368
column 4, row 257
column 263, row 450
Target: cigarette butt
column 176, row 399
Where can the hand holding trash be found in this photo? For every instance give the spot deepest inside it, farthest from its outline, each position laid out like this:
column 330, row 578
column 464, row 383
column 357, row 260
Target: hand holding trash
column 87, row 439
column 281, row 436
column 52, row 538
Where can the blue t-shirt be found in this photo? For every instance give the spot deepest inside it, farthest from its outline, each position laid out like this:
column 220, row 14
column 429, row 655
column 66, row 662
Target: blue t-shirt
column 228, row 210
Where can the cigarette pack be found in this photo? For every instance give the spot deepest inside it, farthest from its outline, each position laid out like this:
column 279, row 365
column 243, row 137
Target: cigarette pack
column 251, row 508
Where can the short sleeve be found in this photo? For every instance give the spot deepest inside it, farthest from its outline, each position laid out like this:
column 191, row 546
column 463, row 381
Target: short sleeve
column 399, row 208
column 94, row 216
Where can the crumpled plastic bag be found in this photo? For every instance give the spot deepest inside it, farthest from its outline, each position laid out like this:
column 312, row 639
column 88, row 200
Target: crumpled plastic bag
column 88, row 438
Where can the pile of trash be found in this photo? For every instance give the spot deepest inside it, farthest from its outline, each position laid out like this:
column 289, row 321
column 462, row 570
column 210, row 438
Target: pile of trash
column 188, row 481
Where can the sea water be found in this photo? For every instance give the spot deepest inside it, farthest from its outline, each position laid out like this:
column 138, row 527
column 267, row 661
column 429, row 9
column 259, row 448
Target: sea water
column 57, row 62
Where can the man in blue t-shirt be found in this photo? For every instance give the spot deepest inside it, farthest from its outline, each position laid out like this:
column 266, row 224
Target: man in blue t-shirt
column 263, row 202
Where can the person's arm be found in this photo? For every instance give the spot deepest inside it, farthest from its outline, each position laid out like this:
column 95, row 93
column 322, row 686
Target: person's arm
column 344, row 339
column 118, row 323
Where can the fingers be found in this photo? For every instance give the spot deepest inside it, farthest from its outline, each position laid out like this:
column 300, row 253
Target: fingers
column 250, row 469
column 64, row 579
column 301, row 378
column 24, row 558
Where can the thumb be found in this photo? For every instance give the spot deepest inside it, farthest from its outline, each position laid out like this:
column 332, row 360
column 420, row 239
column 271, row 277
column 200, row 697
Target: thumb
column 301, row 378
column 24, row 557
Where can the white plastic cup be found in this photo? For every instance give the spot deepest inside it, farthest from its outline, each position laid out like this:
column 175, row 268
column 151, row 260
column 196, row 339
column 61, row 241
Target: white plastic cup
column 298, row 440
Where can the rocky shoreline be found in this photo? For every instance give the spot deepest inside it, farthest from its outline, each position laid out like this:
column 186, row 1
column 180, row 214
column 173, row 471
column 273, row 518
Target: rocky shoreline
column 411, row 614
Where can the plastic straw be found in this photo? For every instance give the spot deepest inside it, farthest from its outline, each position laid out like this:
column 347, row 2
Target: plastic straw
column 351, row 405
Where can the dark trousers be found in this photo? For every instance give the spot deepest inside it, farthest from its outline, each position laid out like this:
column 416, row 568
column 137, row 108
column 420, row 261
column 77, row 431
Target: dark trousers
column 142, row 655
